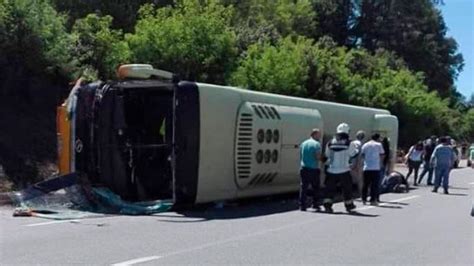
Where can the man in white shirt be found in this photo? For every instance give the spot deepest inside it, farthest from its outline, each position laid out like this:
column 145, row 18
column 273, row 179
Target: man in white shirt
column 373, row 153
column 338, row 152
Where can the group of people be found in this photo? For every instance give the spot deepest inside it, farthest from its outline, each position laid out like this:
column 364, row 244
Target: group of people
column 345, row 161
column 437, row 156
column 342, row 161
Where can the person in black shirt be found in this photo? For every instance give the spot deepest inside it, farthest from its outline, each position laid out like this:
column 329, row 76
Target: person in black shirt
column 428, row 145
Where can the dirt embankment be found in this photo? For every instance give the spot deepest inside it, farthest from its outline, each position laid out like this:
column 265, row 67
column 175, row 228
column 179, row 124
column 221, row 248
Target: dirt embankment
column 28, row 128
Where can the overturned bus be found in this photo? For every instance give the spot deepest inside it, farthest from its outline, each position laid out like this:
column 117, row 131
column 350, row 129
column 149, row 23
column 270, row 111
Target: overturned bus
column 149, row 136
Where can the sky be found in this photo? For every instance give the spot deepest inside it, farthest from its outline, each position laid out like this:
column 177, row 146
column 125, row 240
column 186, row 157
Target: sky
column 459, row 18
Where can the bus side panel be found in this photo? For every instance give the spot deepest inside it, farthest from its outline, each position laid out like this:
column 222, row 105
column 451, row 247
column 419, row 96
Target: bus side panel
column 218, row 116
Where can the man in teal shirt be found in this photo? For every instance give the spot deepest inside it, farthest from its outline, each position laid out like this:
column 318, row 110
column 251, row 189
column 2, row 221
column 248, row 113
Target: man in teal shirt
column 310, row 155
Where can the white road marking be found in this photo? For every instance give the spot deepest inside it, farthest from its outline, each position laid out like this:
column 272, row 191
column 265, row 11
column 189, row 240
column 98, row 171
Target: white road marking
column 472, row 183
column 388, row 203
column 53, row 222
column 136, row 261
column 263, row 232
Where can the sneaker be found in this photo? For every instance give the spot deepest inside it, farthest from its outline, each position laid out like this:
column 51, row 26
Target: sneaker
column 328, row 208
column 303, row 209
column 429, row 183
column 350, row 207
column 374, row 203
column 446, row 191
column 317, row 208
column 435, row 190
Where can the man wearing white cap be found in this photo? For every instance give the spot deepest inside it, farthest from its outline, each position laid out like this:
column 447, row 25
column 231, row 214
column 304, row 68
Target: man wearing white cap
column 339, row 152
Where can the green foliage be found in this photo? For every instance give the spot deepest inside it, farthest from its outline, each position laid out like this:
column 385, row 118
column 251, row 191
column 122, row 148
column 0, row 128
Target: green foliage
column 99, row 48
column 467, row 123
column 416, row 31
column 193, row 39
column 268, row 20
column 124, row 12
column 278, row 69
column 335, row 19
column 32, row 34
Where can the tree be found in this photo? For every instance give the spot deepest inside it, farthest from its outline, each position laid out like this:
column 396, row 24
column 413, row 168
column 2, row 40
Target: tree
column 193, row 39
column 268, row 20
column 335, row 19
column 98, row 47
column 123, row 12
column 281, row 69
column 415, row 31
column 36, row 62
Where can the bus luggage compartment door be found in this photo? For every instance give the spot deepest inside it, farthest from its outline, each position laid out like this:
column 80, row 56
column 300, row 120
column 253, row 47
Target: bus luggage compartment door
column 296, row 127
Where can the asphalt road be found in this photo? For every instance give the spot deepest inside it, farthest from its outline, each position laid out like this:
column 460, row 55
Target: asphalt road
column 416, row 228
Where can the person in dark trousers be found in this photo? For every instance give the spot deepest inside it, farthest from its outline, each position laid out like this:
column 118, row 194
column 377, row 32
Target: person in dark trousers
column 385, row 168
column 443, row 160
column 310, row 155
column 414, row 159
column 372, row 153
column 338, row 152
column 429, row 145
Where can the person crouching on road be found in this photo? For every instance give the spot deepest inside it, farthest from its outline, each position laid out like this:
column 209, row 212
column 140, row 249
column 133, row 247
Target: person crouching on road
column 443, row 158
column 338, row 153
column 310, row 154
column 372, row 153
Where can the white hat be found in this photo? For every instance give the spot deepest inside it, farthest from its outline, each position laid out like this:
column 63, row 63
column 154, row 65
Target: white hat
column 343, row 128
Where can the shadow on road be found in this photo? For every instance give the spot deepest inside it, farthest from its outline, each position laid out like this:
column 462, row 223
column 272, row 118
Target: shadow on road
column 353, row 213
column 389, row 207
column 457, row 194
column 245, row 208
column 459, row 188
column 253, row 207
column 395, row 203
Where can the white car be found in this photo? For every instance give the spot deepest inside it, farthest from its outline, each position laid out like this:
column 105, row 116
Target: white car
column 470, row 155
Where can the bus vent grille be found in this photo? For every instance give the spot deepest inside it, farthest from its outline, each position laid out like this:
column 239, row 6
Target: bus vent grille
column 244, row 145
column 262, row 179
column 266, row 111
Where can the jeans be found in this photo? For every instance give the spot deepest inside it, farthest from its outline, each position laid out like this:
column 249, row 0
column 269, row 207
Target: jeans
column 309, row 177
column 442, row 173
column 427, row 168
column 413, row 165
column 371, row 178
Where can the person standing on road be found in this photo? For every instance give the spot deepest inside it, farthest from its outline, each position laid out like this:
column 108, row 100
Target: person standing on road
column 372, row 153
column 338, row 152
column 428, row 145
column 443, row 158
column 385, row 167
column 356, row 161
column 413, row 159
column 310, row 155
